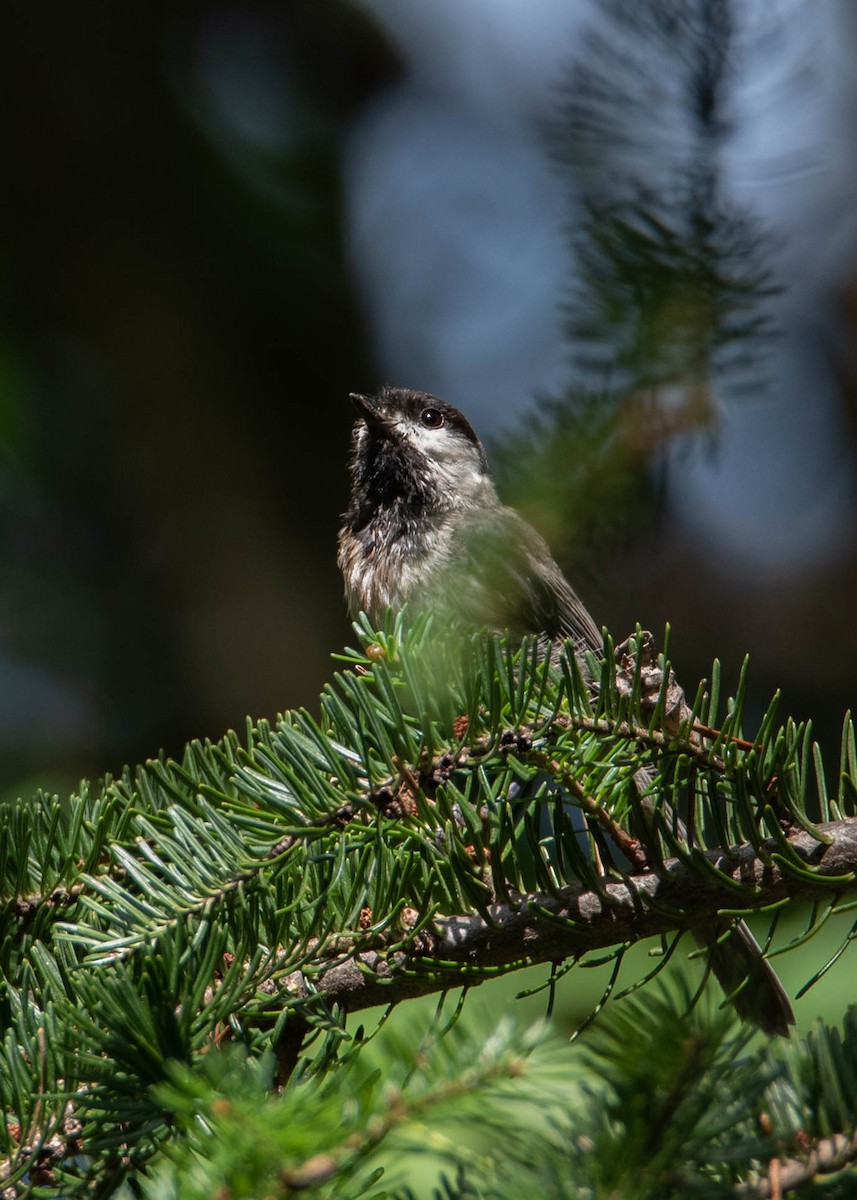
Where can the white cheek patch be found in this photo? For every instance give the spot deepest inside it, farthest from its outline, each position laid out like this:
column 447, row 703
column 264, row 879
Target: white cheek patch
column 456, row 464
column 435, row 443
column 442, row 445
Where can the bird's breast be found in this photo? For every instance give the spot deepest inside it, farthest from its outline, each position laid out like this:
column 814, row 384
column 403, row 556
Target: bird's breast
column 387, row 564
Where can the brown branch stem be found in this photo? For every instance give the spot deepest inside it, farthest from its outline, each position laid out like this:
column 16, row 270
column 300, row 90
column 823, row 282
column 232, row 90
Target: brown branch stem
column 470, row 948
column 650, row 737
column 826, row 1157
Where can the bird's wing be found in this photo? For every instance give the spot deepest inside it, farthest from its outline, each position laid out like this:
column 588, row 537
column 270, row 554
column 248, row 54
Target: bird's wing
column 505, row 577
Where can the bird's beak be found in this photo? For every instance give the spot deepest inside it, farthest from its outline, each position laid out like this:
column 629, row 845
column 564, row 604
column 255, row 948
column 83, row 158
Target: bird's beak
column 368, row 407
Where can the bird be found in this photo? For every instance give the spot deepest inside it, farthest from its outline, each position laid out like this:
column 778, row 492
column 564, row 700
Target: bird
column 425, row 527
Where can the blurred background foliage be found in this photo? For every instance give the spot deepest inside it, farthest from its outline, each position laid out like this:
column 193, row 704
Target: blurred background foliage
column 621, row 236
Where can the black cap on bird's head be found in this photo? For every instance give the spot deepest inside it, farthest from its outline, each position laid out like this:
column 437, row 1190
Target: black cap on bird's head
column 396, row 408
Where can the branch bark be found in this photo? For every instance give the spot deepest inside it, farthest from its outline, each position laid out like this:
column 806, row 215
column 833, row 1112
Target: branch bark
column 467, row 949
column 826, row 1157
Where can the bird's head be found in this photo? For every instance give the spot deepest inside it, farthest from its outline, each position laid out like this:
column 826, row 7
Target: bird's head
column 414, row 450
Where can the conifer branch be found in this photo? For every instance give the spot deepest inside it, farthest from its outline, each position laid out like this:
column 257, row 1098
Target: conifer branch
column 825, row 1157
column 469, row 949
column 454, row 812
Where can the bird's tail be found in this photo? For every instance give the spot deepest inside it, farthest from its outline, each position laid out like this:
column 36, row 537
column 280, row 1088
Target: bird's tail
column 746, row 977
column 736, row 958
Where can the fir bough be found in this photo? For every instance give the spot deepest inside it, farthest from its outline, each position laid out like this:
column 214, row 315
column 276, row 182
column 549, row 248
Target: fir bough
column 456, row 810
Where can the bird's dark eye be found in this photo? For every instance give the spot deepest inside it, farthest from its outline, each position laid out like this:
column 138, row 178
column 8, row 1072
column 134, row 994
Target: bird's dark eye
column 432, row 418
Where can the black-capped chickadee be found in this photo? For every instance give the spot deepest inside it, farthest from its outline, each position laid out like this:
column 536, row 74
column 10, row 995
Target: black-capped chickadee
column 426, row 527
